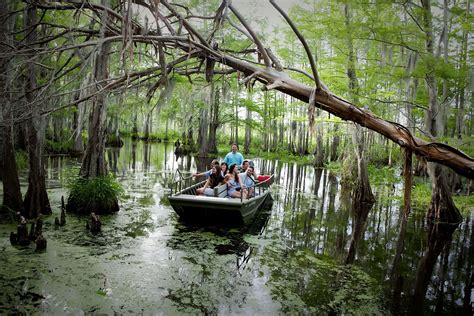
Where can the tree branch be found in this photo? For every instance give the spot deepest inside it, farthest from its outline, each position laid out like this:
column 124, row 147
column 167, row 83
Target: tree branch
column 255, row 39
column 303, row 41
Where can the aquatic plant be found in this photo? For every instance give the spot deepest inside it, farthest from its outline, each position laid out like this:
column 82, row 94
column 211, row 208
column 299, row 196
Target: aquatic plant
column 97, row 194
column 315, row 284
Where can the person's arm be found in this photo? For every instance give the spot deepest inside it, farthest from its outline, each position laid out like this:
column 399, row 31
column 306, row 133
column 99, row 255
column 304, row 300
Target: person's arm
column 205, row 173
column 206, row 185
column 240, row 183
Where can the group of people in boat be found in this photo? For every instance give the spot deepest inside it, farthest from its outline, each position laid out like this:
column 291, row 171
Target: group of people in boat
column 234, row 171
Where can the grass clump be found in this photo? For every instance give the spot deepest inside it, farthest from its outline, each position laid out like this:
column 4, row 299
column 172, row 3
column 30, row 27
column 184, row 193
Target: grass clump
column 99, row 195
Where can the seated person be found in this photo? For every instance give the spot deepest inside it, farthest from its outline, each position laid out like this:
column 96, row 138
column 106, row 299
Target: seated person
column 235, row 187
column 245, row 165
column 248, row 180
column 224, row 169
column 214, row 180
column 207, row 173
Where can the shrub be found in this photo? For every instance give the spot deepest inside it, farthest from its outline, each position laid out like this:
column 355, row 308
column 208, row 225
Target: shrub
column 98, row 194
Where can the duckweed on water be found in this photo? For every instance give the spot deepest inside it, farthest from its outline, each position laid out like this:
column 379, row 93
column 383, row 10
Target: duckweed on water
column 306, row 283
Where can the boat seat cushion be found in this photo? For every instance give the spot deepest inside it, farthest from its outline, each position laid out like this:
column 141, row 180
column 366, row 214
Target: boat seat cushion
column 220, row 190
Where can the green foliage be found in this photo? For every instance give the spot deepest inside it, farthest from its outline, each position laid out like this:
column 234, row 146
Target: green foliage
column 420, row 196
column 59, row 147
column 21, row 159
column 104, row 190
column 465, row 204
column 383, row 175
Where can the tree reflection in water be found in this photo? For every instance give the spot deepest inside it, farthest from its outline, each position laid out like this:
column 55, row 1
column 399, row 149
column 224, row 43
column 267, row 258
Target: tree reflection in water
column 298, row 258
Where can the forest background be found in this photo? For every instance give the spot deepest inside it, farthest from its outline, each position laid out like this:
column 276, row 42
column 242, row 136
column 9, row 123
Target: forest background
column 406, row 62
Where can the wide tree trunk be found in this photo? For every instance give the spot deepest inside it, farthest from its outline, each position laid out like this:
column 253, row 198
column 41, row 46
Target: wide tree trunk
column 36, row 199
column 362, row 197
column 93, row 162
column 442, row 206
column 12, row 200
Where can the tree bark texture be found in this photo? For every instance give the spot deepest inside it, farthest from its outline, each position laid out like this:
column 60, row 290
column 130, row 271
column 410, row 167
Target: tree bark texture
column 214, row 123
column 12, row 199
column 93, row 163
column 442, row 207
column 36, row 200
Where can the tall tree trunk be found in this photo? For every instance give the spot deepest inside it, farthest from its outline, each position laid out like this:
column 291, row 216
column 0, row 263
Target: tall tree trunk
column 36, row 199
column 335, row 143
column 146, row 128
column 362, row 197
column 203, row 131
column 462, row 66
column 266, row 117
column 78, row 145
column 214, row 123
column 12, row 199
column 248, row 132
column 93, row 164
column 442, row 207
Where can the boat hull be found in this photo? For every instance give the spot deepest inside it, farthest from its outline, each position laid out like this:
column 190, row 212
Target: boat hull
column 217, row 210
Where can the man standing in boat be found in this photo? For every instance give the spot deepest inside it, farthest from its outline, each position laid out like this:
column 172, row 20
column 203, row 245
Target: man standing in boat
column 234, row 157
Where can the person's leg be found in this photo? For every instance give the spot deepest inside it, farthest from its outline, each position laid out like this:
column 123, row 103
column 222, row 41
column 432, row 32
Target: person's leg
column 209, row 192
column 235, row 194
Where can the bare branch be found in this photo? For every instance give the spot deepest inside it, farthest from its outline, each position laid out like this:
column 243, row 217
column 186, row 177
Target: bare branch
column 255, row 39
column 303, row 41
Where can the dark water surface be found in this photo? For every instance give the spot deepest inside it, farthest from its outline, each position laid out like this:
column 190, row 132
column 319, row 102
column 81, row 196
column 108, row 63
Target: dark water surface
column 289, row 261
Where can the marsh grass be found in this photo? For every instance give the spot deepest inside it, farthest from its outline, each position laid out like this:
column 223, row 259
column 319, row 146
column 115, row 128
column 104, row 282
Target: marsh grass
column 98, row 194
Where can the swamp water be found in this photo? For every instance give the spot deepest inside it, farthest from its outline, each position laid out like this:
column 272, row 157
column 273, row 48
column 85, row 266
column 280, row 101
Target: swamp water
column 289, row 261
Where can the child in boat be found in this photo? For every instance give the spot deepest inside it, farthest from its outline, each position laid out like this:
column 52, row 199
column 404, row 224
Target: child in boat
column 214, row 180
column 235, row 187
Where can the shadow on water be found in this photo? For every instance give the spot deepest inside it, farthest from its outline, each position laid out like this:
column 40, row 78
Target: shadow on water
column 233, row 234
